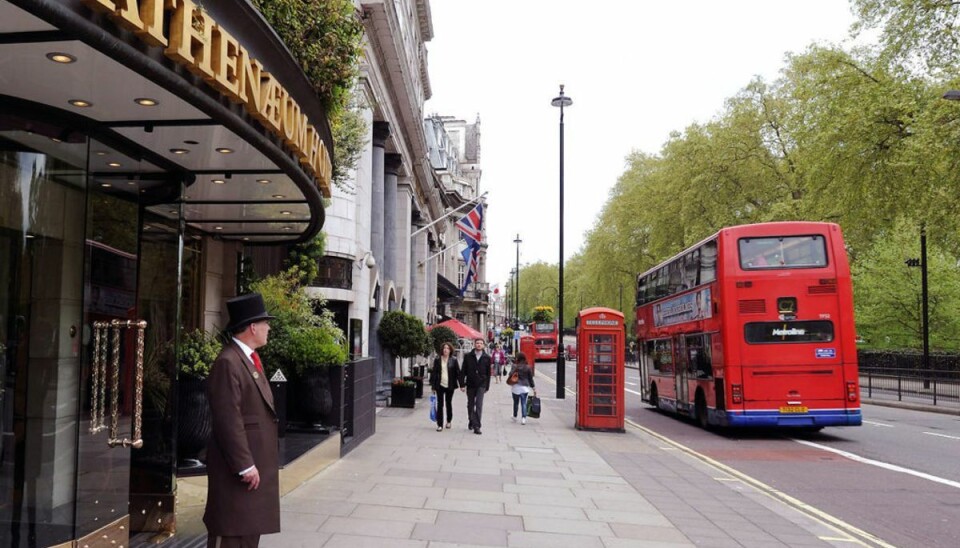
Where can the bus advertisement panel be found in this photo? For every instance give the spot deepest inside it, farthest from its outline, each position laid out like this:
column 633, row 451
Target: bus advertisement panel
column 752, row 327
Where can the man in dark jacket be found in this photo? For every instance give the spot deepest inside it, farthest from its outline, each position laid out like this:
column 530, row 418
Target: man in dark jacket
column 243, row 493
column 476, row 377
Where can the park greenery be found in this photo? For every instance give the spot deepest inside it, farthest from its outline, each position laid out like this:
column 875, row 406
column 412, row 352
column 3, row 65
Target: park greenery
column 859, row 136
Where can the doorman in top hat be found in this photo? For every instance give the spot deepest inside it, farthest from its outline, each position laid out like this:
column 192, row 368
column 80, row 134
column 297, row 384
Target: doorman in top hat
column 243, row 496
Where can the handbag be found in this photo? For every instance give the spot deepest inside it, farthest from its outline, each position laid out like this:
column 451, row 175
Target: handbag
column 533, row 407
column 514, row 378
column 504, row 371
column 433, row 408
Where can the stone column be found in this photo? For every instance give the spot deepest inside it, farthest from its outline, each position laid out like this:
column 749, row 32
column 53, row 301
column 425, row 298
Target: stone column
column 392, row 163
column 381, row 130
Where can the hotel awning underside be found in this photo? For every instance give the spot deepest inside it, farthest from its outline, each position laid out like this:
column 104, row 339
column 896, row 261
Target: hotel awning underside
column 242, row 182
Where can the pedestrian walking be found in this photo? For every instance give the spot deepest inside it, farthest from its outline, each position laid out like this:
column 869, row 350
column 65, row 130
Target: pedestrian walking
column 444, row 381
column 243, row 468
column 522, row 387
column 498, row 358
column 475, row 377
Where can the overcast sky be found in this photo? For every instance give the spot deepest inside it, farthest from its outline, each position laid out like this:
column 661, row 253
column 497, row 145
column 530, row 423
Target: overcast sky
column 635, row 69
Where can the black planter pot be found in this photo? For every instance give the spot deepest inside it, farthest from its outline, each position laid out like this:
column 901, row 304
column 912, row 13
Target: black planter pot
column 402, row 395
column 194, row 421
column 419, row 387
column 314, row 400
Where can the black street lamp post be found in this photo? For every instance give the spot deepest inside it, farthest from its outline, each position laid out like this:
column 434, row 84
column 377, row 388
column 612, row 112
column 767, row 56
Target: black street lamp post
column 516, row 309
column 561, row 101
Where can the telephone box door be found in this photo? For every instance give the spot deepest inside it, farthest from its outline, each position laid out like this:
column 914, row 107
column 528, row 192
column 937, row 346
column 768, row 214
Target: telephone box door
column 600, row 362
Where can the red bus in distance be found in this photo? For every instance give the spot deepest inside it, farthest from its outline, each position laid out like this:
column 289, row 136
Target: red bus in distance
column 752, row 327
column 544, row 340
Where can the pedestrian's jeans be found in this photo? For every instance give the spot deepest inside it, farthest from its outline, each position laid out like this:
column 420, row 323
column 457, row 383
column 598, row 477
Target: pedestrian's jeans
column 521, row 400
column 475, row 405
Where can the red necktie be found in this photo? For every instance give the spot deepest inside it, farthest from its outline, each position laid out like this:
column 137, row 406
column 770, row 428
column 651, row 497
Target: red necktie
column 256, row 361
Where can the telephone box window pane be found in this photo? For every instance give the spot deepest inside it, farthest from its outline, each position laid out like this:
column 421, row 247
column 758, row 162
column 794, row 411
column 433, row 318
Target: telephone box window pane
column 602, row 411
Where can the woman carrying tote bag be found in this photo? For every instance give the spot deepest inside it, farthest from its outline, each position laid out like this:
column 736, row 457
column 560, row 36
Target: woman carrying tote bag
column 522, row 387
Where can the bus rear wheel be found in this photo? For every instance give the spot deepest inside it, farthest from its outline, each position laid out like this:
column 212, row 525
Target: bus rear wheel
column 701, row 410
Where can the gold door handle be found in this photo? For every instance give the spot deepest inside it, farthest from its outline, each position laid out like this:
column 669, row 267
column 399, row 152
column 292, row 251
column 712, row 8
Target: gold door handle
column 104, row 332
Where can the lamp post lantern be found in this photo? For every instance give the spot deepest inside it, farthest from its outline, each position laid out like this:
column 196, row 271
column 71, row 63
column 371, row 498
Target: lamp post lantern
column 561, row 101
column 516, row 309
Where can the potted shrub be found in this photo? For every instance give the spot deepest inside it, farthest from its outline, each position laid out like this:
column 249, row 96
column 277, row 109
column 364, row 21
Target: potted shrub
column 403, row 393
column 404, row 336
column 197, row 352
column 304, row 341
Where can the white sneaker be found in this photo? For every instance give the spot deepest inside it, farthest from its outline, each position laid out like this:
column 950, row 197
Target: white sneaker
column 523, row 420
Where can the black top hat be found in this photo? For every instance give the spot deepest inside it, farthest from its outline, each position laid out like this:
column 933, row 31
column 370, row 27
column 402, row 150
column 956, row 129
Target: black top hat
column 246, row 309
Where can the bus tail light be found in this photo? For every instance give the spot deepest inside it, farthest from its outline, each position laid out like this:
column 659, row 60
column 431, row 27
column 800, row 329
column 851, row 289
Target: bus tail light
column 852, row 391
column 737, row 393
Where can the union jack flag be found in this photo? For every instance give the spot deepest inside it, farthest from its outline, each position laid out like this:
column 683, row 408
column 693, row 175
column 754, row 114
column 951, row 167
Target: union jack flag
column 471, row 225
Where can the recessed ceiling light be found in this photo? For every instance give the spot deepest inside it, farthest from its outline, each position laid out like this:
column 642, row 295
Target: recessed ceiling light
column 113, row 164
column 146, row 102
column 101, row 153
column 286, row 213
column 218, row 228
column 131, row 182
column 106, row 185
column 279, row 196
column 218, row 181
column 172, row 212
column 288, row 228
column 62, row 58
column 246, row 238
column 263, row 181
column 179, row 151
column 56, row 140
column 80, row 103
column 224, row 150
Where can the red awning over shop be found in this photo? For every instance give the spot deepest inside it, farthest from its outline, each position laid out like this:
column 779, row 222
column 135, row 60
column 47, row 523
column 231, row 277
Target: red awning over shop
column 461, row 329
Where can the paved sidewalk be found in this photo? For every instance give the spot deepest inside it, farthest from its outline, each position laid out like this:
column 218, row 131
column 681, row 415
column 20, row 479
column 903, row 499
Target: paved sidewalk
column 543, row 484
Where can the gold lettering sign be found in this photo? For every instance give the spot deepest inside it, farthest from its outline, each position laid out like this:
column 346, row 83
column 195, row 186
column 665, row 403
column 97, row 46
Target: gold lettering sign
column 206, row 49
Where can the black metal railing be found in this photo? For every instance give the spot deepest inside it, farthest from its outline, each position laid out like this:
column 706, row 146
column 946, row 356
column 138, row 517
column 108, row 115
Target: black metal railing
column 911, row 385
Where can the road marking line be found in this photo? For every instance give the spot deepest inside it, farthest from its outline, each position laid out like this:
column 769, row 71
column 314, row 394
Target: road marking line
column 872, row 423
column 884, row 465
column 633, row 392
column 826, row 519
column 942, row 435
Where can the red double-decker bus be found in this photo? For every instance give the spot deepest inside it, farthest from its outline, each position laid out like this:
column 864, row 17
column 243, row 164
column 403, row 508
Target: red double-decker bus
column 544, row 340
column 752, row 327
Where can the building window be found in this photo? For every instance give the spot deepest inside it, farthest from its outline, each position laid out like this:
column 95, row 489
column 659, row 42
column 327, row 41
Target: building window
column 461, row 273
column 335, row 272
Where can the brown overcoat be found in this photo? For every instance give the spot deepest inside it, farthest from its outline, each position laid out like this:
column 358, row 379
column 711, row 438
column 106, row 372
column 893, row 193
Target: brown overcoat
column 244, row 434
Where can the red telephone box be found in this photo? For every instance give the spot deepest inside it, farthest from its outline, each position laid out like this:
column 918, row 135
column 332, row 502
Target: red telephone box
column 600, row 370
column 529, row 349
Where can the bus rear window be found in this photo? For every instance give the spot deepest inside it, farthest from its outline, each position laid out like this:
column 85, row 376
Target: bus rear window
column 541, row 327
column 788, row 332
column 783, row 252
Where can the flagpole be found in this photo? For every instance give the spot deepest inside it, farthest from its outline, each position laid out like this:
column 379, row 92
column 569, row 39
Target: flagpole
column 444, row 216
column 444, row 250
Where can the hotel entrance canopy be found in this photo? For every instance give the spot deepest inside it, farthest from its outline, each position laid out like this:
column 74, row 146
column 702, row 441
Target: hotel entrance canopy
column 203, row 111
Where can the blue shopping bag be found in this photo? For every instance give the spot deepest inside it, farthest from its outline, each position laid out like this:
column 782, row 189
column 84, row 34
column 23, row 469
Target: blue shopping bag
column 433, row 408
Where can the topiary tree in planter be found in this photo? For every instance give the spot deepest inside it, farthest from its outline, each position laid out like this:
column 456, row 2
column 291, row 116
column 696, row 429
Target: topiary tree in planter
column 443, row 334
column 403, row 335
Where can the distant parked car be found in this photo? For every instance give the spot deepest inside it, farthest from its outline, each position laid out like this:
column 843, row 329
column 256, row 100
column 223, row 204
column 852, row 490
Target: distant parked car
column 571, row 352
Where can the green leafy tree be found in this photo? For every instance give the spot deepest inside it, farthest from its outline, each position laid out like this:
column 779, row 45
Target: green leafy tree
column 404, row 335
column 888, row 297
column 443, row 334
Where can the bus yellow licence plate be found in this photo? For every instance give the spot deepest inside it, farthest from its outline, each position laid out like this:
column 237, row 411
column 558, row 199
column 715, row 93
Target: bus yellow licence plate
column 794, row 409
